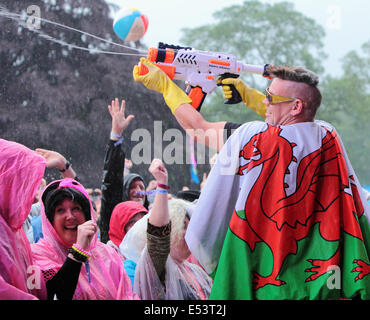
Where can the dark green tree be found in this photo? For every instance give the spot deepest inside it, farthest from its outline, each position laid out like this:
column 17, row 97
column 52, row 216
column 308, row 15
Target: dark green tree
column 345, row 104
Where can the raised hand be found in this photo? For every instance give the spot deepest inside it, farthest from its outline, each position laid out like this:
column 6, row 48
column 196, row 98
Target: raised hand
column 85, row 233
column 159, row 214
column 119, row 121
column 56, row 160
column 155, row 79
column 53, row 159
column 159, row 171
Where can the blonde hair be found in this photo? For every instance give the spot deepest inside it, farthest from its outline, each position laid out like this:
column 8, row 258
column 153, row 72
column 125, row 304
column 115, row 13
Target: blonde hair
column 178, row 210
column 135, row 240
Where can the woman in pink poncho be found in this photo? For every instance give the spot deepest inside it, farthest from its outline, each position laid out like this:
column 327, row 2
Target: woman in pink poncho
column 74, row 263
column 21, row 172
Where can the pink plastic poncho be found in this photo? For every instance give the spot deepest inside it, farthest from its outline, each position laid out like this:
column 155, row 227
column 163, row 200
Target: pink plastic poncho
column 108, row 279
column 21, row 171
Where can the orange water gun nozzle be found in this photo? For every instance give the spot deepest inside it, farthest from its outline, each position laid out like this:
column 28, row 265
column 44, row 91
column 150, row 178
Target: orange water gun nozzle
column 160, row 55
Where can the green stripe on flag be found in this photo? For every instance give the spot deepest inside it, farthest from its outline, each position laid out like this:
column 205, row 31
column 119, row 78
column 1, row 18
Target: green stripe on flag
column 234, row 275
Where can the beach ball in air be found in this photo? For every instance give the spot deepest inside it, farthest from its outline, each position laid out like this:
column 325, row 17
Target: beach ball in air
column 130, row 24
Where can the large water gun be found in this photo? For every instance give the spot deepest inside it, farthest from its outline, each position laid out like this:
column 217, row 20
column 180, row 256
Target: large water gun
column 201, row 70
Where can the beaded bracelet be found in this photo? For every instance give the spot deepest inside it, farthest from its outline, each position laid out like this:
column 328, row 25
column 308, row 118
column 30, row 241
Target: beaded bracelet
column 81, row 251
column 77, row 255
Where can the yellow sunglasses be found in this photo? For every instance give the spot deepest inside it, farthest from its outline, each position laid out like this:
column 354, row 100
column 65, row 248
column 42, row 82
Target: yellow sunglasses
column 273, row 99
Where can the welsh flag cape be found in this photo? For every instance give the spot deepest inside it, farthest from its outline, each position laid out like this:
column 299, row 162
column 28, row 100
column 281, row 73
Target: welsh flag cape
column 283, row 216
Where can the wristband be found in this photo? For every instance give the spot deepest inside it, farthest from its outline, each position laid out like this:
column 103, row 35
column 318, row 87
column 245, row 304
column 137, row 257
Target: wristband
column 118, row 142
column 161, row 191
column 117, row 136
column 80, row 250
column 163, row 186
column 77, row 255
column 68, row 164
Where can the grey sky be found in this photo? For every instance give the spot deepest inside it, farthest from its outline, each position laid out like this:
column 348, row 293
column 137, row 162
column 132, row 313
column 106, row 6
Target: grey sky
column 346, row 22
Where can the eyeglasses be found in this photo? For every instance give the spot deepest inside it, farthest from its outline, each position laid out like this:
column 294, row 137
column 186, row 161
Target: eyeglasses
column 273, row 99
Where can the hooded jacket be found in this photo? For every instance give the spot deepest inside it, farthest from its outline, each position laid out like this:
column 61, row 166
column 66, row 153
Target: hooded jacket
column 127, row 180
column 108, row 279
column 121, row 215
column 114, row 187
column 21, row 172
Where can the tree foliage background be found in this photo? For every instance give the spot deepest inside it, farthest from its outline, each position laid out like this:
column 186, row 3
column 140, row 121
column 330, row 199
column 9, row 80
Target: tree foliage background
column 260, row 33
column 56, row 97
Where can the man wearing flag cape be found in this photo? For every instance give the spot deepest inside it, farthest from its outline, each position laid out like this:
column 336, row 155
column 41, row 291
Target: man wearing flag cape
column 282, row 215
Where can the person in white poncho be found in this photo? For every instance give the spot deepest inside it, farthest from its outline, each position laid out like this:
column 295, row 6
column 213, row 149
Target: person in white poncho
column 156, row 243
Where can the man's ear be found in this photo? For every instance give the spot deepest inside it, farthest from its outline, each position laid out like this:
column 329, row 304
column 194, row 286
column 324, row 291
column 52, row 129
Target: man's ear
column 297, row 108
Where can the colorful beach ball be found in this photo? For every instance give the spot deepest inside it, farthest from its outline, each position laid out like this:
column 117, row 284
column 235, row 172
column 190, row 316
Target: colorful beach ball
column 130, row 24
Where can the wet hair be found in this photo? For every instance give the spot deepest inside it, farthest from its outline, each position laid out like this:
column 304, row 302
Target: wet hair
column 178, row 211
column 297, row 74
column 310, row 93
column 55, row 197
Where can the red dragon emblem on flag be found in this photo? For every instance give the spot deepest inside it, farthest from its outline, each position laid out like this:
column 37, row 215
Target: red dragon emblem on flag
column 324, row 194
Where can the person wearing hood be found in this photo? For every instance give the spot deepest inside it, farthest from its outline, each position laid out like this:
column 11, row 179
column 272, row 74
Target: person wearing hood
column 21, row 172
column 134, row 189
column 54, row 159
column 124, row 216
column 75, row 265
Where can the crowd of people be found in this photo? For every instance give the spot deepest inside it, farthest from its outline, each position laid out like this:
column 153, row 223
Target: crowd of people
column 280, row 205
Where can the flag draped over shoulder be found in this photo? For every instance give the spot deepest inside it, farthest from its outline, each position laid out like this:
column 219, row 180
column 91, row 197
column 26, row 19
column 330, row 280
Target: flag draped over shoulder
column 283, row 216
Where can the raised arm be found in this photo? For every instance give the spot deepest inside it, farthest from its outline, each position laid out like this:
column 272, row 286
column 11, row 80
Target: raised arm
column 112, row 182
column 119, row 121
column 207, row 133
column 159, row 215
column 159, row 226
column 56, row 160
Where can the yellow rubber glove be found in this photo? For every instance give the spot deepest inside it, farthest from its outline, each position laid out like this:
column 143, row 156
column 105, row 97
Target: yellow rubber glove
column 252, row 98
column 157, row 80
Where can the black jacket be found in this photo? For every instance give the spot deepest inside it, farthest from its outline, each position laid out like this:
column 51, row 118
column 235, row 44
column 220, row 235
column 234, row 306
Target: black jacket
column 114, row 188
column 112, row 185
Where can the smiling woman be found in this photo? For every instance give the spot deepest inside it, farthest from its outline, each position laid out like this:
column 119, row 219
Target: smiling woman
column 66, row 209
column 70, row 241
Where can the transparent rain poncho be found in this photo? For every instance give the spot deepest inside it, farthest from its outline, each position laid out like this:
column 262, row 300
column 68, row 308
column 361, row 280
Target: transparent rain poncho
column 21, row 171
column 183, row 280
column 106, row 278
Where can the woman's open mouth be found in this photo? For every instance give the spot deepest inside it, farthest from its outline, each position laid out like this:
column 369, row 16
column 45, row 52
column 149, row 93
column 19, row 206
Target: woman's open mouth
column 71, row 228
